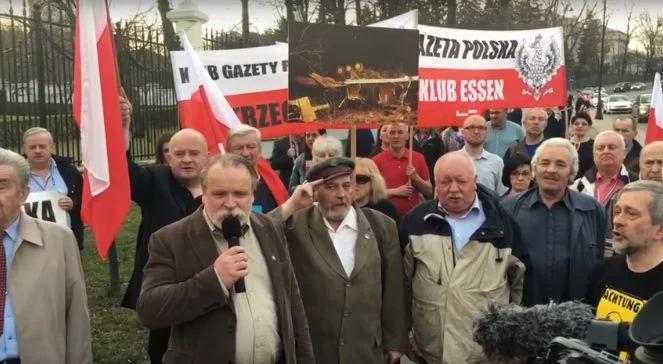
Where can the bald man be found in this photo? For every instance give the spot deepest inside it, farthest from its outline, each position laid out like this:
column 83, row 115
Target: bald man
column 488, row 165
column 651, row 162
column 165, row 194
column 464, row 248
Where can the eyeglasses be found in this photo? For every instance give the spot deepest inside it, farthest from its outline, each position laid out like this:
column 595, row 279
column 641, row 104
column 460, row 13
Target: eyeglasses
column 520, row 174
column 476, row 128
column 363, row 179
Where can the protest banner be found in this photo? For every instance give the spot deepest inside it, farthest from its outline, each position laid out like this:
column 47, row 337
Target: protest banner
column 43, row 205
column 253, row 80
column 463, row 72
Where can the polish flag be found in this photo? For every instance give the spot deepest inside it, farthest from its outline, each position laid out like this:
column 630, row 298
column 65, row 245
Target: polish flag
column 106, row 191
column 209, row 112
column 655, row 127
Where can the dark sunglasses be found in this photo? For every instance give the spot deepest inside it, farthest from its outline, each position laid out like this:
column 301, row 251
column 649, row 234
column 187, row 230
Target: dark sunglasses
column 363, row 179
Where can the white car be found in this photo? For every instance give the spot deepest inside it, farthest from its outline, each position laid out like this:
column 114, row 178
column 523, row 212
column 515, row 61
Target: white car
column 595, row 97
column 617, row 104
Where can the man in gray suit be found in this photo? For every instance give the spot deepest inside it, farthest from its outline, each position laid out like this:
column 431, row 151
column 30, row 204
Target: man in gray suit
column 349, row 268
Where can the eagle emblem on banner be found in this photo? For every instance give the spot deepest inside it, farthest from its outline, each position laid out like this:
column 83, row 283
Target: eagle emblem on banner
column 537, row 65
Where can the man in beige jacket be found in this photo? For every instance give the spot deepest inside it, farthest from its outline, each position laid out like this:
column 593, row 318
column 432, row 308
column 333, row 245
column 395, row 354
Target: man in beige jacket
column 44, row 317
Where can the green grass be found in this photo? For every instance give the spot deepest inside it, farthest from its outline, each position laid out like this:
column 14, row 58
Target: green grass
column 117, row 334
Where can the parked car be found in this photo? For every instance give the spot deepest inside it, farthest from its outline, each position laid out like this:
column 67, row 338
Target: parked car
column 617, row 104
column 595, row 97
column 640, row 108
column 622, row 87
column 638, row 86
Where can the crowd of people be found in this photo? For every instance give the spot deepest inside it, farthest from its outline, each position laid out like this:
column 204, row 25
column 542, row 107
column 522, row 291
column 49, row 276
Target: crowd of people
column 368, row 260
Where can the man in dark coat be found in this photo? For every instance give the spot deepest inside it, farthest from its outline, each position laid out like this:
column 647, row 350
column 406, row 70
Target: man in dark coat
column 165, row 194
column 49, row 172
column 349, row 268
column 192, row 274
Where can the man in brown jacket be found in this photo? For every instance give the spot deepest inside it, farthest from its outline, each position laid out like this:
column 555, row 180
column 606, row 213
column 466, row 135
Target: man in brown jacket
column 350, row 273
column 189, row 278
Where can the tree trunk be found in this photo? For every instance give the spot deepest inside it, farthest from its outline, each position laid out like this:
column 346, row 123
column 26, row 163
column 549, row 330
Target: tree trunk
column 289, row 10
column 169, row 37
column 358, row 12
column 452, row 8
column 245, row 21
column 339, row 12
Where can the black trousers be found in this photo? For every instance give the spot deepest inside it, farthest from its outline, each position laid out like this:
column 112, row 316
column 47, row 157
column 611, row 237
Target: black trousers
column 157, row 344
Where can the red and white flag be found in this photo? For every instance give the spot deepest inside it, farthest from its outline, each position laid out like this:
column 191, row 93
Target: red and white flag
column 106, row 191
column 655, row 127
column 207, row 110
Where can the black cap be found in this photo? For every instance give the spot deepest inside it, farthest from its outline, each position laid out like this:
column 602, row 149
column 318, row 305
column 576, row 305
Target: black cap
column 331, row 168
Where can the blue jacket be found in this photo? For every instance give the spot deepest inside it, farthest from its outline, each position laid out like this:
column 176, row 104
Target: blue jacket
column 587, row 234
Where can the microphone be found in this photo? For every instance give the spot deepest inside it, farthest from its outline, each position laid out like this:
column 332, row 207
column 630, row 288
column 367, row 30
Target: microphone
column 511, row 331
column 232, row 230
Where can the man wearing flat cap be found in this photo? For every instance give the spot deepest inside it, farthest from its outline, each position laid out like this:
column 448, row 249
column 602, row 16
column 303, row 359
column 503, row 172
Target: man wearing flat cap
column 349, row 268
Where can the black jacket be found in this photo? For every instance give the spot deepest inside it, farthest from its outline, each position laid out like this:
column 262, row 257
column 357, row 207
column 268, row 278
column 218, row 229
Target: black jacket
column 74, row 181
column 163, row 201
column 280, row 160
column 632, row 160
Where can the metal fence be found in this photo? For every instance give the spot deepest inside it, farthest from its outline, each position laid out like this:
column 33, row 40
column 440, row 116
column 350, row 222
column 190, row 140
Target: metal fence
column 36, row 80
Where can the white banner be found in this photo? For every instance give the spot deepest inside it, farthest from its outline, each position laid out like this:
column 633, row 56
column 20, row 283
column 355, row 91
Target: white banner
column 235, row 71
column 43, row 205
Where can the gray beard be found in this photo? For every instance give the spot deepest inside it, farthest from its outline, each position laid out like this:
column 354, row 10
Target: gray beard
column 333, row 216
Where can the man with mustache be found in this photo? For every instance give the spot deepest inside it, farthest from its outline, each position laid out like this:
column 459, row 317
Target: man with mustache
column 49, row 172
column 534, row 122
column 191, row 274
column 462, row 252
column 564, row 230
column 348, row 264
column 622, row 284
column 651, row 162
column 609, row 175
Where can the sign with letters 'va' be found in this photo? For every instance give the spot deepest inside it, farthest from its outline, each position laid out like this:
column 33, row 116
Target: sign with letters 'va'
column 43, row 205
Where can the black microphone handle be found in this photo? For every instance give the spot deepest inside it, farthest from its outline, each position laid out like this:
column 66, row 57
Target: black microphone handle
column 239, row 284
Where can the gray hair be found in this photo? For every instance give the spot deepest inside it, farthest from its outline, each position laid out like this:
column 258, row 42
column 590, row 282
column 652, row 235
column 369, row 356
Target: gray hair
column 556, row 142
column 622, row 143
column 229, row 160
column 20, row 165
column 243, row 130
column 327, row 144
column 459, row 153
column 656, row 190
column 36, row 130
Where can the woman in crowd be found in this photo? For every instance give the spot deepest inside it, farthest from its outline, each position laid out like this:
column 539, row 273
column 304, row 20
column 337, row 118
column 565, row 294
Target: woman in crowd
column 305, row 160
column 581, row 123
column 517, row 175
column 162, row 149
column 326, row 147
column 371, row 190
column 382, row 142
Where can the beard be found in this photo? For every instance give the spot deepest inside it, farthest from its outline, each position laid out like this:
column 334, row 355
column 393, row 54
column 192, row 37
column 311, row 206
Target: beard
column 221, row 215
column 336, row 215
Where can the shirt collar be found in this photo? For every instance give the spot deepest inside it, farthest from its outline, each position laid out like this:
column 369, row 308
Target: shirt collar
column 12, row 230
column 350, row 220
column 481, row 156
column 535, row 197
column 622, row 171
column 476, row 207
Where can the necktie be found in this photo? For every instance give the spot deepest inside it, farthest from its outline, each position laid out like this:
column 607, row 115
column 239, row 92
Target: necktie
column 3, row 281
